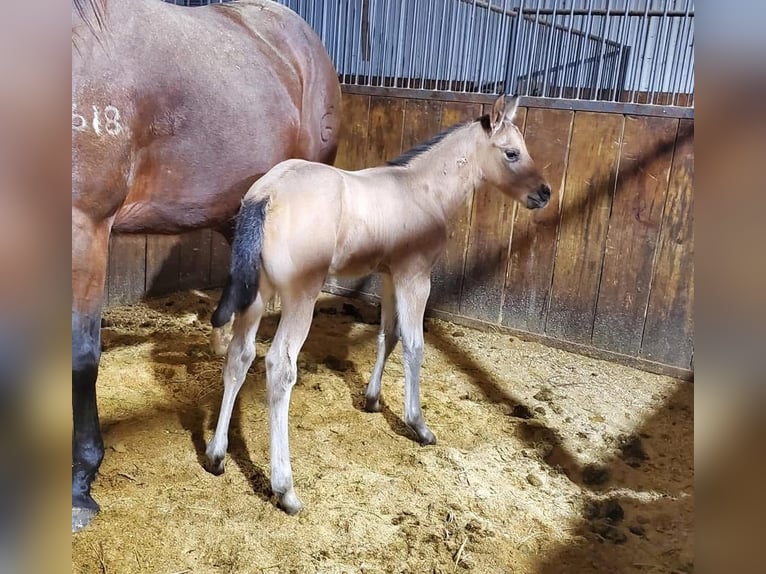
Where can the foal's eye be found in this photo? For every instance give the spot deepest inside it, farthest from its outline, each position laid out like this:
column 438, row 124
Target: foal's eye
column 512, row 154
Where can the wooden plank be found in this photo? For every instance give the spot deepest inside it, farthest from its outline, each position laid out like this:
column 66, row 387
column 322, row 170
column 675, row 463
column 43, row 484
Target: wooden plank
column 533, row 246
column 447, row 276
column 162, row 264
column 593, row 158
column 384, row 142
column 384, row 137
column 488, row 242
column 352, row 145
column 631, row 242
column 220, row 257
column 194, row 263
column 669, row 329
column 422, row 120
column 126, row 276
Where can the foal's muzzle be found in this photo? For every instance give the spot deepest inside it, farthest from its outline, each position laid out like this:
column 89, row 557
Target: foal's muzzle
column 540, row 198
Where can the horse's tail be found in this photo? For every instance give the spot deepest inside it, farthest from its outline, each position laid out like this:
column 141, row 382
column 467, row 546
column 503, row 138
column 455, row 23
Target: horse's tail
column 242, row 284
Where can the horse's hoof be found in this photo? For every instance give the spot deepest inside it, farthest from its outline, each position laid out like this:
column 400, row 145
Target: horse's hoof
column 215, row 465
column 372, row 405
column 81, row 517
column 289, row 503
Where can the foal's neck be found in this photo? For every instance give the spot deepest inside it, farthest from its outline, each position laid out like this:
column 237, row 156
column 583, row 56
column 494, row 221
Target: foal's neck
column 449, row 171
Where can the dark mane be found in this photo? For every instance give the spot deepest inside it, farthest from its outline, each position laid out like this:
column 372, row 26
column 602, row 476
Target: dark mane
column 421, row 148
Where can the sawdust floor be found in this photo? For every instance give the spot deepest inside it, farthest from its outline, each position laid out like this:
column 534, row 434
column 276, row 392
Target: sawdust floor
column 546, row 461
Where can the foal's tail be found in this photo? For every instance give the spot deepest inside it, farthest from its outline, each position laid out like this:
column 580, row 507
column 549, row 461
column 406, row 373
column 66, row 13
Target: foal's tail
column 242, row 283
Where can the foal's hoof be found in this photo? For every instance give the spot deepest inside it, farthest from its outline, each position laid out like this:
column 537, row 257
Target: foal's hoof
column 372, row 404
column 424, row 434
column 81, row 517
column 427, row 437
column 289, row 503
column 215, row 465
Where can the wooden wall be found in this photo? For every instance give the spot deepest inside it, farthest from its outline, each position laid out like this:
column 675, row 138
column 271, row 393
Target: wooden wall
column 605, row 270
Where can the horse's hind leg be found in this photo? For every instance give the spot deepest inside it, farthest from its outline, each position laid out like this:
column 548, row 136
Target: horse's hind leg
column 281, row 374
column 239, row 357
column 411, row 296
column 387, row 339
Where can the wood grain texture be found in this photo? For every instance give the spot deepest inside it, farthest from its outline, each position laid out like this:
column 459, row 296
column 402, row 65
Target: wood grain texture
column 591, row 173
column 220, row 258
column 126, row 275
column 352, row 145
column 668, row 335
column 422, row 120
column 639, row 200
column 194, row 263
column 384, row 137
column 489, row 239
column 447, row 276
column 163, row 259
column 533, row 247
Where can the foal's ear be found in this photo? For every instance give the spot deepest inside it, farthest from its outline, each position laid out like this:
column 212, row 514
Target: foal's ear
column 502, row 111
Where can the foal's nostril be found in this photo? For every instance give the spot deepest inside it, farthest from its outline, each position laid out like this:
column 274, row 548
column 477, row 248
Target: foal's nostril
column 545, row 192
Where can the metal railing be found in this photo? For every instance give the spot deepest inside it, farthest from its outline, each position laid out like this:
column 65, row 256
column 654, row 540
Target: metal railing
column 631, row 51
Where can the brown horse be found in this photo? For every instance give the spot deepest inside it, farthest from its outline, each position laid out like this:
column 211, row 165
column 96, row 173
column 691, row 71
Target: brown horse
column 304, row 221
column 175, row 113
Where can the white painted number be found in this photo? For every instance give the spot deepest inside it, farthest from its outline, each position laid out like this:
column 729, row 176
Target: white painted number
column 111, row 122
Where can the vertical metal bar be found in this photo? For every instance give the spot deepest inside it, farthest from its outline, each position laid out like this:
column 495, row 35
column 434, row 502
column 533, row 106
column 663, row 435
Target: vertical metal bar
column 532, row 50
column 469, row 50
column 399, row 56
column 586, row 39
column 653, row 87
column 605, row 30
column 549, row 49
column 566, row 52
column 427, row 48
column 437, row 53
column 677, row 53
column 413, row 26
column 478, row 76
column 499, row 61
column 621, row 33
column 453, row 44
column 638, row 71
column 685, row 59
column 510, row 66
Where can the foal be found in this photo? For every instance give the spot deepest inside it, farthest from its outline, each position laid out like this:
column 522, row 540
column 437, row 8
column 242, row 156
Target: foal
column 304, row 221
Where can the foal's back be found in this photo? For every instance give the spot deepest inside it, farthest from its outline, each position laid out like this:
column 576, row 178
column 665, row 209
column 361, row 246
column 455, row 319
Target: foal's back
column 338, row 222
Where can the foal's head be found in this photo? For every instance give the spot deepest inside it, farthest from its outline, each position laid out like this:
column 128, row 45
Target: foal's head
column 505, row 161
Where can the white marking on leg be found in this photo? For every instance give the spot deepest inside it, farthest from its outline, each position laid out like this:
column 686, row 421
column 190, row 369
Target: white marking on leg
column 240, row 356
column 387, row 339
column 411, row 297
column 281, row 374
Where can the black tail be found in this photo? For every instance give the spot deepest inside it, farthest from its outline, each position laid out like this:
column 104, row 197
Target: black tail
column 242, row 284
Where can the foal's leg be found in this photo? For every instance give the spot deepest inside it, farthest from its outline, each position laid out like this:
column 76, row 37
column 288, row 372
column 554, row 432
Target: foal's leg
column 281, row 374
column 411, row 296
column 240, row 356
column 387, row 339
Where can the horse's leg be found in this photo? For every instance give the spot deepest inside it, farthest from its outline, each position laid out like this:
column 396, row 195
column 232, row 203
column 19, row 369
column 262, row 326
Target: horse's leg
column 240, row 355
column 89, row 258
column 411, row 296
column 387, row 339
column 281, row 373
